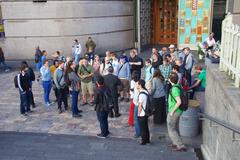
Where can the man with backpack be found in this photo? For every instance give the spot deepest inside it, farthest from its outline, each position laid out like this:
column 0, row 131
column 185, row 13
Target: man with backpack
column 124, row 76
column 22, row 82
column 61, row 86
column 38, row 57
column 143, row 100
column 175, row 102
column 31, row 76
column 102, row 106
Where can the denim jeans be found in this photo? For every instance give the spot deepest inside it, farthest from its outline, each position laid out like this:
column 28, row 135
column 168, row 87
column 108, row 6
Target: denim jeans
column 103, row 120
column 38, row 66
column 77, row 58
column 136, row 122
column 74, row 102
column 24, row 102
column 47, row 85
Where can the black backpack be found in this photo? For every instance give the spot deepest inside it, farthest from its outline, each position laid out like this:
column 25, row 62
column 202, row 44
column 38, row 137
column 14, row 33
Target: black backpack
column 149, row 110
column 107, row 101
column 184, row 98
column 16, row 80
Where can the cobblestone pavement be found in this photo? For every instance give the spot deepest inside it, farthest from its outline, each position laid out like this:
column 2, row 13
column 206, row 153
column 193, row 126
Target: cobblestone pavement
column 47, row 120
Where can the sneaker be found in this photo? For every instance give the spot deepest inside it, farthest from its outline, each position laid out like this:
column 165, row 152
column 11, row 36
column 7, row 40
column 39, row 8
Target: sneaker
column 51, row 103
column 91, row 103
column 108, row 133
column 7, row 70
column 180, row 149
column 136, row 136
column 24, row 114
column 117, row 115
column 80, row 111
column 30, row 111
column 100, row 136
column 47, row 104
column 77, row 116
column 60, row 111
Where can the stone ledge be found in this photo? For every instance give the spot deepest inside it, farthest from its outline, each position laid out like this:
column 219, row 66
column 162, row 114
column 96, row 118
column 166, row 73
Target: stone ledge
column 226, row 84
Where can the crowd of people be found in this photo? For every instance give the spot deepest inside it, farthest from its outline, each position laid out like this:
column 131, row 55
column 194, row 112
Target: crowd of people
column 104, row 83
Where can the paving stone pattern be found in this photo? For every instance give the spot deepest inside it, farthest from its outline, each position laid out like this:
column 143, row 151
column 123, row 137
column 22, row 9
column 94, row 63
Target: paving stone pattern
column 47, row 120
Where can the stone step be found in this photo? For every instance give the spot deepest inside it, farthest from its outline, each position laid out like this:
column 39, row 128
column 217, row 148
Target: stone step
column 49, row 146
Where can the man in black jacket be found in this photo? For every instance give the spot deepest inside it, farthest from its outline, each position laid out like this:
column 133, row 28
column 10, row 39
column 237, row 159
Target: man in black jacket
column 136, row 63
column 31, row 77
column 24, row 88
column 112, row 82
column 102, row 106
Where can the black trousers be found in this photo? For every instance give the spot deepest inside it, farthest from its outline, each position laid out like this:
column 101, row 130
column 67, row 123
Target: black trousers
column 62, row 97
column 137, row 71
column 143, row 121
column 189, row 76
column 115, row 107
column 159, row 115
column 31, row 98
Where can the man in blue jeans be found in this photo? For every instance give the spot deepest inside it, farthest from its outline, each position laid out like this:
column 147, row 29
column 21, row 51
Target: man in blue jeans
column 47, row 83
column 102, row 106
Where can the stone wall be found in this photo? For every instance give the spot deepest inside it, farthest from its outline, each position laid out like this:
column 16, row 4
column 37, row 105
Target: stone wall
column 55, row 24
column 222, row 103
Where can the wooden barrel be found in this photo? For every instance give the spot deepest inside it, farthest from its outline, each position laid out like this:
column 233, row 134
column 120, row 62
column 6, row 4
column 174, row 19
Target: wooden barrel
column 189, row 120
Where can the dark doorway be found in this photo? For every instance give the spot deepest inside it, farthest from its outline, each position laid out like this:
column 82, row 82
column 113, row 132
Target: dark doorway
column 219, row 9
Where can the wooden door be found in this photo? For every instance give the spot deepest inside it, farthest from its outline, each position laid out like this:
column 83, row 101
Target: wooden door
column 165, row 21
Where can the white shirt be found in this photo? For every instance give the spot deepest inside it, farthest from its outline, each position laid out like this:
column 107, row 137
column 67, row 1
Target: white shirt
column 210, row 43
column 143, row 99
column 132, row 86
column 104, row 69
column 135, row 96
column 77, row 49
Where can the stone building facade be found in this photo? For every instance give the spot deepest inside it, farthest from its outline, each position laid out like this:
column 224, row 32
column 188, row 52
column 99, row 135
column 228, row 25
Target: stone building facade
column 53, row 25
